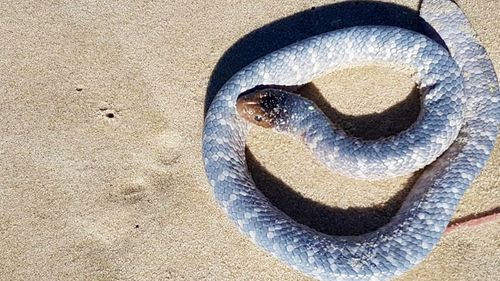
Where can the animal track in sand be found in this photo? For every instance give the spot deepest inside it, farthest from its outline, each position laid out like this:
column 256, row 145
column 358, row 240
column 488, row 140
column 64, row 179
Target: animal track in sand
column 128, row 191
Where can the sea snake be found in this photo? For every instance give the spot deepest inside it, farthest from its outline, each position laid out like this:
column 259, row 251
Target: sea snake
column 452, row 138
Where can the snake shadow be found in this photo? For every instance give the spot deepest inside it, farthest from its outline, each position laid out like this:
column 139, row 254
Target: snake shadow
column 288, row 30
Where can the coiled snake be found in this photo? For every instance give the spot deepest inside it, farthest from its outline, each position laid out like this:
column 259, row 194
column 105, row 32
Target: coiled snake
column 453, row 137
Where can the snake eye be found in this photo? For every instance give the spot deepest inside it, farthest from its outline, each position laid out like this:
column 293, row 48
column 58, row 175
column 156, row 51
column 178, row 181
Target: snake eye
column 257, row 118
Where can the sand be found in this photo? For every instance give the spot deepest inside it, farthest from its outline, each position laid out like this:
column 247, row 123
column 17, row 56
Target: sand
column 102, row 108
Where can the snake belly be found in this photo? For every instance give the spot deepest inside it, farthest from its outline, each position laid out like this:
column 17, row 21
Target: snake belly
column 464, row 83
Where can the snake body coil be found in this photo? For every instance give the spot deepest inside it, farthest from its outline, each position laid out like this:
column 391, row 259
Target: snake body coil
column 458, row 125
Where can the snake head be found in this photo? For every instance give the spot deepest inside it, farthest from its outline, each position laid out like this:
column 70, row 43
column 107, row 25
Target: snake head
column 263, row 108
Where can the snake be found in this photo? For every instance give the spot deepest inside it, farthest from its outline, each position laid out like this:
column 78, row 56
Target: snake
column 451, row 141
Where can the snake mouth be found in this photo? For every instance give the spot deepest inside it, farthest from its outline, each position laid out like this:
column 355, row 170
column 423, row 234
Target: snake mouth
column 260, row 107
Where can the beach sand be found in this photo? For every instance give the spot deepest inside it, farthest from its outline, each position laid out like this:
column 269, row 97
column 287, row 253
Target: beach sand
column 102, row 107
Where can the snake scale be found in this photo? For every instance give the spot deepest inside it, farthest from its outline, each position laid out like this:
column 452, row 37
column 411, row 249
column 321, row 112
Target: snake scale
column 452, row 138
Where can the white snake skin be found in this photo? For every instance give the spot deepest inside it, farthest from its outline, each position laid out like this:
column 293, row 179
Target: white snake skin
column 458, row 125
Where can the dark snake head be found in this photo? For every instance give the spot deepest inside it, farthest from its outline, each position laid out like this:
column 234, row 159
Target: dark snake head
column 263, row 108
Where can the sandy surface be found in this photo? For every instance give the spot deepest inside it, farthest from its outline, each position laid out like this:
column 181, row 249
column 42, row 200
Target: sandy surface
column 102, row 109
